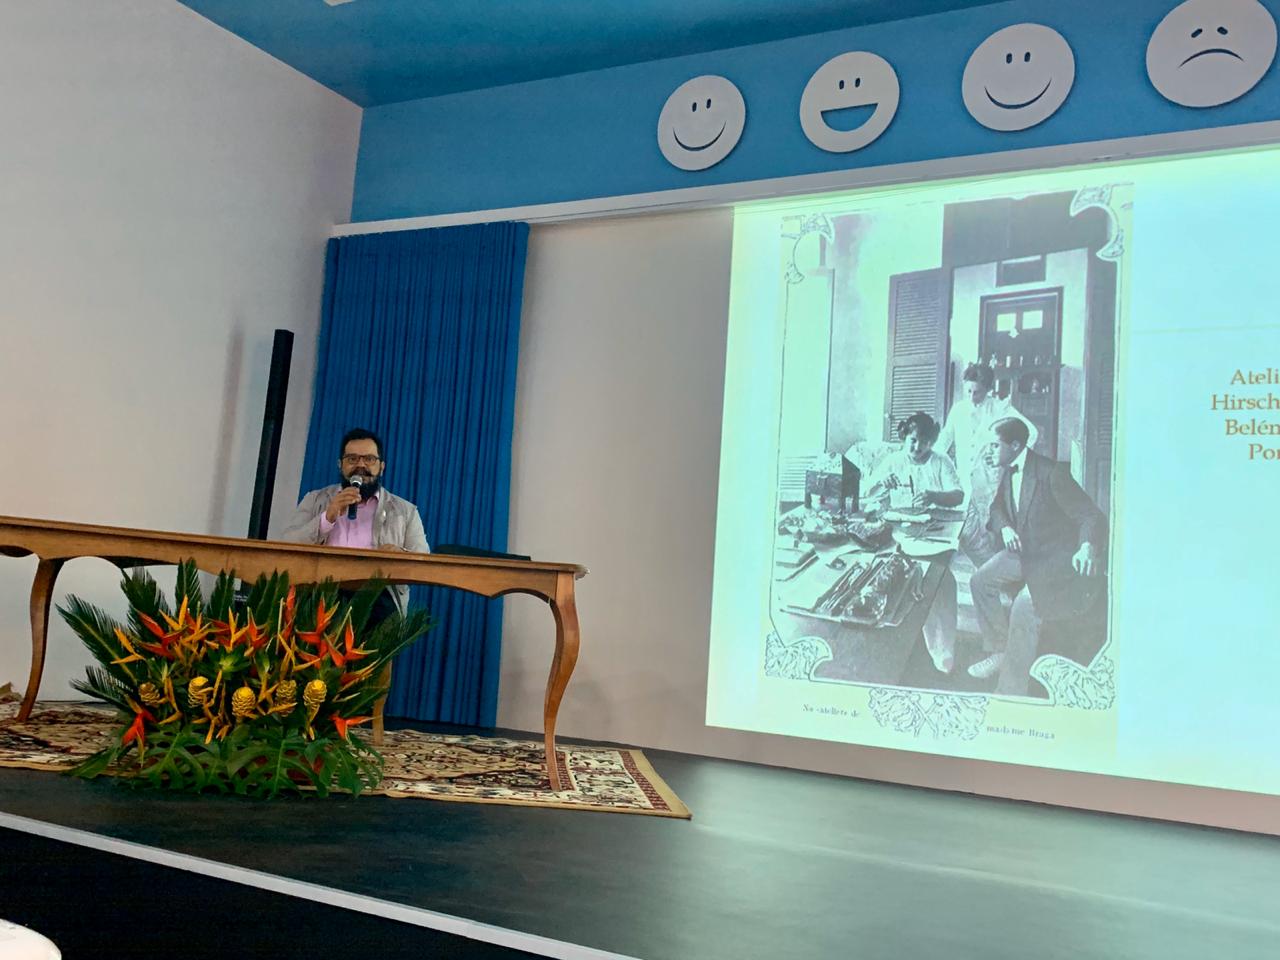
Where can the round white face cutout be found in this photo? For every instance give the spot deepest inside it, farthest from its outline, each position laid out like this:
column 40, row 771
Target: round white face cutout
column 1018, row 77
column 849, row 101
column 701, row 122
column 1208, row 52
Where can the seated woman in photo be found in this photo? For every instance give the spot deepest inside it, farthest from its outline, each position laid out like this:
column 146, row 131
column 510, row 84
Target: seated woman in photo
column 922, row 476
column 928, row 479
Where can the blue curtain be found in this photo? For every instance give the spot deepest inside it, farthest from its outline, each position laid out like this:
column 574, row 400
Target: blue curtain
column 418, row 339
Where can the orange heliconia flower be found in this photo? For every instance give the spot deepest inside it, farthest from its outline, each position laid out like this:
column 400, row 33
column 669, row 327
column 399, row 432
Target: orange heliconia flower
column 343, row 724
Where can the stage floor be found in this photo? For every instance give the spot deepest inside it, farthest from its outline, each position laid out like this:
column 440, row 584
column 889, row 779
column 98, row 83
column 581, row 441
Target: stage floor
column 774, row 864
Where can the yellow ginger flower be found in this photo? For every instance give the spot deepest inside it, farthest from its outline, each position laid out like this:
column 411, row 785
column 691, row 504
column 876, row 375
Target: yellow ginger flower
column 150, row 694
column 314, row 695
column 198, row 692
column 244, row 703
column 286, row 696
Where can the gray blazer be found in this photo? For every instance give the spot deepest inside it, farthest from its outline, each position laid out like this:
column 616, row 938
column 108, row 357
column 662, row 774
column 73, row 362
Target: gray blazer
column 397, row 526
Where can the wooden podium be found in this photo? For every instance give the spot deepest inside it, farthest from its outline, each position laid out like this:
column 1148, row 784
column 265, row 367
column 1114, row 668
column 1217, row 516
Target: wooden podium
column 54, row 543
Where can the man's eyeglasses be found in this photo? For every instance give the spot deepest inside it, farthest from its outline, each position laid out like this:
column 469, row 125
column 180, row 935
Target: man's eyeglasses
column 364, row 460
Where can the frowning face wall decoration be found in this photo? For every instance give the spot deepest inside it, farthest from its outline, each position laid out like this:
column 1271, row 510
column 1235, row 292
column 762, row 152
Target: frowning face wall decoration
column 1018, row 77
column 701, row 122
column 849, row 101
column 1208, row 52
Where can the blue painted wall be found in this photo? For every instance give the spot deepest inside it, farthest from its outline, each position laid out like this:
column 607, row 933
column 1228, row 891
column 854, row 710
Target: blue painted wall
column 594, row 134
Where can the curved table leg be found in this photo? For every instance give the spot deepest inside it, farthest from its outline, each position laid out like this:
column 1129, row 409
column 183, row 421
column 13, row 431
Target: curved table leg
column 41, row 601
column 565, row 610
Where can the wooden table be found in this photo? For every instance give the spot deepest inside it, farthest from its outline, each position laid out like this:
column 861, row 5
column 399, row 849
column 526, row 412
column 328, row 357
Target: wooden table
column 54, row 543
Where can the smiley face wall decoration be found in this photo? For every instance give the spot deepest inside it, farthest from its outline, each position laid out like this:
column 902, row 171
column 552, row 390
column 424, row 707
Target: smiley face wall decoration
column 849, row 101
column 701, row 122
column 1208, row 52
column 1018, row 77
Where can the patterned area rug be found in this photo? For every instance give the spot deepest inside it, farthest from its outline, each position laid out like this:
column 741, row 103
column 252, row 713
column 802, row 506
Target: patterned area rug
column 470, row 769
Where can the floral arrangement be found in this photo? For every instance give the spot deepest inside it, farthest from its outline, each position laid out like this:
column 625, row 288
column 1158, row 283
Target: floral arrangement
column 255, row 696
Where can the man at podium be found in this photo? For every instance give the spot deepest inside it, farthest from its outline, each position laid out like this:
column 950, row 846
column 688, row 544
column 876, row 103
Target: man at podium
column 360, row 512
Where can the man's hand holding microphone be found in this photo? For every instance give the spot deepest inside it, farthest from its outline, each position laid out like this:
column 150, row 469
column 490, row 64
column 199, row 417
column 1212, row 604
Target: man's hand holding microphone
column 348, row 498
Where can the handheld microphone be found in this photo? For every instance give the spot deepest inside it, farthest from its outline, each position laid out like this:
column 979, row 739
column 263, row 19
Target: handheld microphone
column 353, row 482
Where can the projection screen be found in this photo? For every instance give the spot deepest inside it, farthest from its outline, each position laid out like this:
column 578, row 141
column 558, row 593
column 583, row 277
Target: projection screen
column 997, row 470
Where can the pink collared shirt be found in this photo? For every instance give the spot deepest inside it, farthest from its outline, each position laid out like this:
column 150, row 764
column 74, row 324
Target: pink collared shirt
column 351, row 533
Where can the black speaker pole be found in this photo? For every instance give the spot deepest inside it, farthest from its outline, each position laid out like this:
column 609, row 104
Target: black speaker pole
column 272, row 426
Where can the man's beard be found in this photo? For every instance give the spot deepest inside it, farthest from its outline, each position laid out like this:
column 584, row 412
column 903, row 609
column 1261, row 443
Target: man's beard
column 368, row 485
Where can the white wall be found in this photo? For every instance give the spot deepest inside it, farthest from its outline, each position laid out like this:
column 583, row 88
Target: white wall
column 166, row 194
column 617, row 439
column 616, row 449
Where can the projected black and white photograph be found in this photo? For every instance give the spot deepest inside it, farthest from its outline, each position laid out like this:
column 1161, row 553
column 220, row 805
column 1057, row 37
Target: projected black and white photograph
column 945, row 440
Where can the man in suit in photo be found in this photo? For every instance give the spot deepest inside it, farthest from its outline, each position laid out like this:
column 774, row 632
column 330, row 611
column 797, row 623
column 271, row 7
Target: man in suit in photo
column 1054, row 541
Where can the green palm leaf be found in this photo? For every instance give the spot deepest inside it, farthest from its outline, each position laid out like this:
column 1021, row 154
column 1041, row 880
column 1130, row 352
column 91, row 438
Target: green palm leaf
column 187, row 587
column 101, row 685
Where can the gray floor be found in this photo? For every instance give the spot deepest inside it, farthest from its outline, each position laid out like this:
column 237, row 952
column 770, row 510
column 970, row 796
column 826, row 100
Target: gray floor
column 774, row 864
